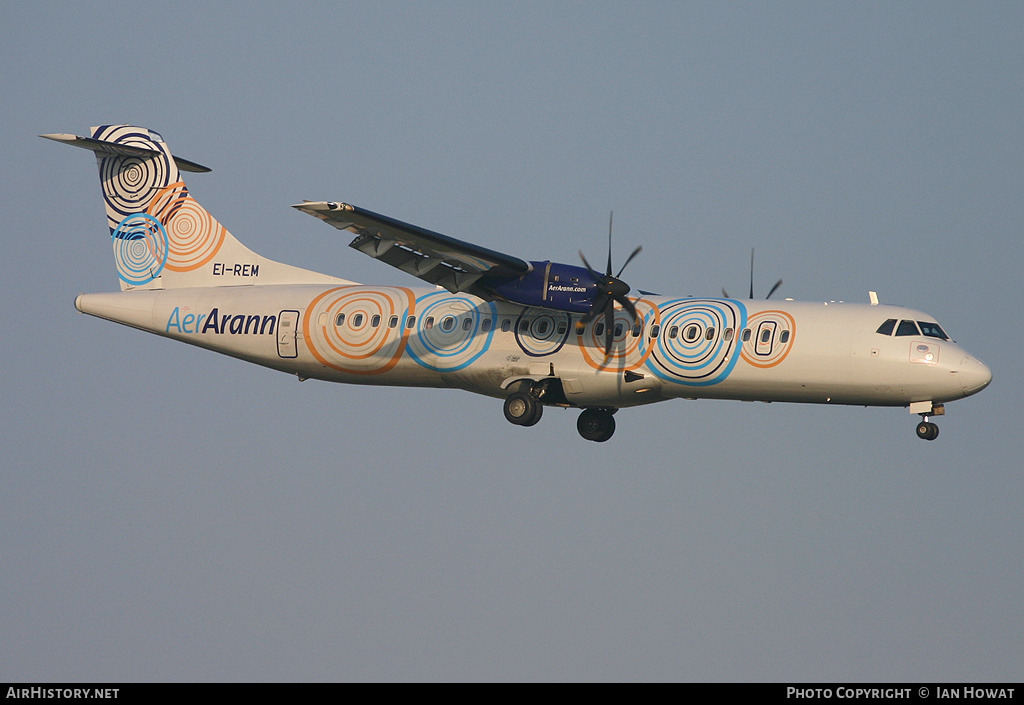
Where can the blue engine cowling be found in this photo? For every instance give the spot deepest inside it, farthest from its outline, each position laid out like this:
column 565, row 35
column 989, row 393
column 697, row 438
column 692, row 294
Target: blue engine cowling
column 562, row 287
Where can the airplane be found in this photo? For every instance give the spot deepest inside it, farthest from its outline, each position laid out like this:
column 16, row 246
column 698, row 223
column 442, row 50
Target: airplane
column 536, row 334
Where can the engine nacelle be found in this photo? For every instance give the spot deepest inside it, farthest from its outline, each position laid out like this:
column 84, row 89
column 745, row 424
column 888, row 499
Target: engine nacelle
column 562, row 287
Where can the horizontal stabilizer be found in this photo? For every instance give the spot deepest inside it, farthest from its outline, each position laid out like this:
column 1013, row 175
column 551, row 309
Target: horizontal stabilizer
column 124, row 150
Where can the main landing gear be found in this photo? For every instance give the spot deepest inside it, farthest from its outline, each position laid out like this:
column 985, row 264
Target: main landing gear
column 525, row 406
column 522, row 409
column 596, row 424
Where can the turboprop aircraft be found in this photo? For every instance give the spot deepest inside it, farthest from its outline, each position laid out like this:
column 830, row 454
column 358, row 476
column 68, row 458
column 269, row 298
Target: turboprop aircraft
column 534, row 333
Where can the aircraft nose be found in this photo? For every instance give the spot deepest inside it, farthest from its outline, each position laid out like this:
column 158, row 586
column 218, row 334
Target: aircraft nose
column 974, row 375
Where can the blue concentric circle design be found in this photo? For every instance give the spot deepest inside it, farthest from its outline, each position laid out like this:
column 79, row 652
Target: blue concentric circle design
column 140, row 248
column 450, row 350
column 698, row 354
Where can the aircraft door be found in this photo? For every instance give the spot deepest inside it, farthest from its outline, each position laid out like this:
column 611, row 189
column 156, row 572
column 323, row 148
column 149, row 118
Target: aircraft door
column 287, row 332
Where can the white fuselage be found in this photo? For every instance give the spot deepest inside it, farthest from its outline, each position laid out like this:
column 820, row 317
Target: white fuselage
column 682, row 347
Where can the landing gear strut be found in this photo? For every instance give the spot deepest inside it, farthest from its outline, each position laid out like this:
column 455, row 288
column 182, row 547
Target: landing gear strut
column 596, row 424
column 926, row 429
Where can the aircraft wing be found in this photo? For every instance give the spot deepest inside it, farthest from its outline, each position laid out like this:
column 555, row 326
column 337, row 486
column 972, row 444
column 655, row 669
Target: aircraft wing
column 433, row 257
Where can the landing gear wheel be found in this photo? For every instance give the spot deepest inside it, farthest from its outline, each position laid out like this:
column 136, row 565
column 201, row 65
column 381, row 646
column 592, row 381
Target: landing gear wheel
column 927, row 430
column 538, row 411
column 522, row 409
column 596, row 425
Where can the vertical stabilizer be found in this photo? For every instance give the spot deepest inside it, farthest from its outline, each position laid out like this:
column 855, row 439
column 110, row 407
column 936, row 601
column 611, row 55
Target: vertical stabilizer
column 161, row 236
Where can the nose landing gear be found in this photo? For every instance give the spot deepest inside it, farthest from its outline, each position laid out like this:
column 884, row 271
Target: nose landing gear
column 927, row 430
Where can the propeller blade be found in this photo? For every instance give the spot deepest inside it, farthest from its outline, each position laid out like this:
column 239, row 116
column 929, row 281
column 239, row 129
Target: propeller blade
column 609, row 326
column 595, row 308
column 725, row 293
column 777, row 285
column 630, row 259
column 586, row 264
column 610, row 216
column 751, row 272
column 628, row 305
column 609, row 290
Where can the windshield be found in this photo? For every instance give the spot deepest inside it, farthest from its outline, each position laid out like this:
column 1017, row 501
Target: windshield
column 933, row 330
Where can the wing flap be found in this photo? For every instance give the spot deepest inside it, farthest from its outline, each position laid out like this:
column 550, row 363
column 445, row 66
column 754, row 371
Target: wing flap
column 430, row 256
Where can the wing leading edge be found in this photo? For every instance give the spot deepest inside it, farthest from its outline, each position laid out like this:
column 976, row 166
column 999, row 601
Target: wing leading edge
column 441, row 260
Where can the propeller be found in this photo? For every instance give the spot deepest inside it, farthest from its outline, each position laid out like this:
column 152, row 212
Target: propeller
column 610, row 290
column 770, row 292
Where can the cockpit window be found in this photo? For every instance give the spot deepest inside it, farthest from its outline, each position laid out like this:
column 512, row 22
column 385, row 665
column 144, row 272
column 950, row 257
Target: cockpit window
column 907, row 328
column 933, row 330
column 886, row 328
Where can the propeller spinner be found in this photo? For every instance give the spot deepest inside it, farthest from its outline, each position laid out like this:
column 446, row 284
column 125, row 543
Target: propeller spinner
column 610, row 290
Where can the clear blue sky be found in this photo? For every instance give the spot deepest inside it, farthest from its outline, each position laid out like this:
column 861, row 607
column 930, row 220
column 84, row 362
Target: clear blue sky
column 171, row 514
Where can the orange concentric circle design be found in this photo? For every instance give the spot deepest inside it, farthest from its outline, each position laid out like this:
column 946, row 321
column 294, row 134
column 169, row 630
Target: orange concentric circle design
column 194, row 235
column 628, row 352
column 360, row 330
column 768, row 346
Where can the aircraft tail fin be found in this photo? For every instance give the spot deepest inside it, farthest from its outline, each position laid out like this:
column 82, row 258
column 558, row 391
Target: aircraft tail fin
column 161, row 236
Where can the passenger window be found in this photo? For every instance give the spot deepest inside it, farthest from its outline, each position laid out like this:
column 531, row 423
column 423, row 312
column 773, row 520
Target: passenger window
column 375, row 321
column 766, row 335
column 506, row 326
column 907, row 328
column 728, row 334
column 448, row 324
column 784, row 338
column 524, row 325
column 410, row 322
column 543, row 326
column 562, row 327
column 638, row 329
column 673, row 332
column 467, row 324
column 428, row 323
column 886, row 328
column 340, row 320
column 710, row 334
column 655, row 329
column 393, row 322
column 746, row 335
column 618, row 329
column 691, row 334
column 485, row 326
column 932, row 330
column 357, row 320
column 599, row 330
